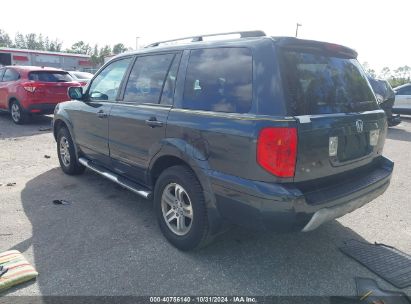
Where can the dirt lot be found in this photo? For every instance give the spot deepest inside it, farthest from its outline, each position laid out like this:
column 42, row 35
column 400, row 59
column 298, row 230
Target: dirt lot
column 106, row 242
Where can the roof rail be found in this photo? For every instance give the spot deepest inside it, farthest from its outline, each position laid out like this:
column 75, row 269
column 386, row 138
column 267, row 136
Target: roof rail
column 244, row 34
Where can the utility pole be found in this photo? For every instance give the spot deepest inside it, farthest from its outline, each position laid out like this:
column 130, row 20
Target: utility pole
column 296, row 30
column 137, row 42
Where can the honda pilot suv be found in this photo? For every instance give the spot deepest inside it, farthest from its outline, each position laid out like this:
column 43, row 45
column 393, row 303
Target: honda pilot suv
column 264, row 132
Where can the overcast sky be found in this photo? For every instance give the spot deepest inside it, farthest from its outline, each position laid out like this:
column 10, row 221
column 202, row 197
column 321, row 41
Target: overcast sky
column 378, row 30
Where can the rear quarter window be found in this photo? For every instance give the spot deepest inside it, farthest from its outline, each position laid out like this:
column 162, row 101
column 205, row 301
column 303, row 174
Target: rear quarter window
column 317, row 83
column 219, row 80
column 46, row 76
column 11, row 75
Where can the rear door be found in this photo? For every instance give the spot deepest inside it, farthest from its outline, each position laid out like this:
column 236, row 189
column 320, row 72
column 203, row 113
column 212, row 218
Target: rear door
column 340, row 126
column 138, row 120
column 90, row 118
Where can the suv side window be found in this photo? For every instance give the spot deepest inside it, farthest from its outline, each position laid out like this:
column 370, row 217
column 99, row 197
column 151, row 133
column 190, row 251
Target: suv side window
column 147, row 78
column 1, row 74
column 10, row 75
column 219, row 80
column 170, row 83
column 107, row 83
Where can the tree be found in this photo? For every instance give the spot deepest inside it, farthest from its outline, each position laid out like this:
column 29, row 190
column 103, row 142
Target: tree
column 80, row 48
column 35, row 41
column 119, row 48
column 385, row 73
column 403, row 72
column 369, row 70
column 31, row 41
column 55, row 46
column 20, row 41
column 5, row 40
column 95, row 58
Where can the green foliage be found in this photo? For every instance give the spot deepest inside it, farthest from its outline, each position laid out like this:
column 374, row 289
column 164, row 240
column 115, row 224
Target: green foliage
column 80, row 48
column 5, row 40
column 119, row 48
column 396, row 77
column 33, row 41
column 369, row 70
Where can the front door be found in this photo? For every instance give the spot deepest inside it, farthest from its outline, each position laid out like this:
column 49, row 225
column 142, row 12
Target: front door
column 138, row 121
column 90, row 118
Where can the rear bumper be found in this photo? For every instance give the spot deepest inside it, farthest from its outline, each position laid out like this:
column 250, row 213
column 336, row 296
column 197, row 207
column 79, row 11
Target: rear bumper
column 285, row 207
column 41, row 108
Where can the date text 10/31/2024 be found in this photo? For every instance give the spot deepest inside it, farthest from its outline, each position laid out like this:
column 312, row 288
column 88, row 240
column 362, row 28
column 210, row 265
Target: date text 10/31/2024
column 233, row 299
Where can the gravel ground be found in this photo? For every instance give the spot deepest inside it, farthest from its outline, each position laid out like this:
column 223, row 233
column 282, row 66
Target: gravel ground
column 106, row 242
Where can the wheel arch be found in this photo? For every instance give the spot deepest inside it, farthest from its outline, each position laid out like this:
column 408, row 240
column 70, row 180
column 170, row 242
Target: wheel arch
column 171, row 155
column 10, row 100
column 60, row 122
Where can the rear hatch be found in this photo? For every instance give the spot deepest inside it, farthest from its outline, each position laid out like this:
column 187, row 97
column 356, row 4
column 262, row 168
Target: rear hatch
column 50, row 86
column 340, row 126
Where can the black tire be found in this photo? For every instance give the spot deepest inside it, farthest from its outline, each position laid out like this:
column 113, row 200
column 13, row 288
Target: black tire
column 70, row 165
column 197, row 235
column 17, row 113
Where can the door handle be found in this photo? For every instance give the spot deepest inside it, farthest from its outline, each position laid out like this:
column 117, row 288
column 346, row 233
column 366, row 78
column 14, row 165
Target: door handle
column 153, row 122
column 101, row 114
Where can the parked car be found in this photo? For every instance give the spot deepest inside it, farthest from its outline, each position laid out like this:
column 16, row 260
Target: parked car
column 402, row 103
column 385, row 96
column 265, row 132
column 82, row 77
column 28, row 90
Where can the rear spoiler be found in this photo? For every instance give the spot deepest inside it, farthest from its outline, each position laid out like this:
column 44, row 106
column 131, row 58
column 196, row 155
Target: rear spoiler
column 292, row 43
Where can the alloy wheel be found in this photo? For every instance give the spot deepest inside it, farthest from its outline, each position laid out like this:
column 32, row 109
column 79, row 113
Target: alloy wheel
column 177, row 209
column 64, row 151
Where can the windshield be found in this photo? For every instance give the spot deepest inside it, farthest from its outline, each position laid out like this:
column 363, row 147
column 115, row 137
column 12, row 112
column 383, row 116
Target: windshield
column 50, row 76
column 320, row 84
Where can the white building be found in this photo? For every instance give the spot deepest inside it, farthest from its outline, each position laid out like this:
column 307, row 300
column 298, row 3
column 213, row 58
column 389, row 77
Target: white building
column 65, row 61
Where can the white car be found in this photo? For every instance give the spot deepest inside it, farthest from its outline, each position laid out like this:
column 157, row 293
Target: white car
column 82, row 77
column 402, row 104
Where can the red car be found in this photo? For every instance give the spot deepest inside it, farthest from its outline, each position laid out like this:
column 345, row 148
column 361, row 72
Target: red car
column 27, row 90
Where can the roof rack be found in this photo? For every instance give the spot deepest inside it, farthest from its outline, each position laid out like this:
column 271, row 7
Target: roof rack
column 244, row 34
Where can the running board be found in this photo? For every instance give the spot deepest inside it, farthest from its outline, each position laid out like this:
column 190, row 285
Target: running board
column 132, row 186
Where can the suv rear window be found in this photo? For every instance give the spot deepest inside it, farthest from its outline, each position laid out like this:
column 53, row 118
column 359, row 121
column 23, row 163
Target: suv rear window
column 317, row 83
column 47, row 76
column 219, row 80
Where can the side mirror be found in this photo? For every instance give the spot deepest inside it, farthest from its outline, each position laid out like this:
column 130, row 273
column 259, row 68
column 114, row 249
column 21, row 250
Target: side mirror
column 75, row 93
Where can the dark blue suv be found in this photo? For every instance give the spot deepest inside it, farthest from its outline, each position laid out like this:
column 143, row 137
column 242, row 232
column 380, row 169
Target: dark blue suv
column 264, row 132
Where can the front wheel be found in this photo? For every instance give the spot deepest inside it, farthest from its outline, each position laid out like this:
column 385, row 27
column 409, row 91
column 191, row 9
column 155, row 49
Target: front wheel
column 66, row 153
column 180, row 208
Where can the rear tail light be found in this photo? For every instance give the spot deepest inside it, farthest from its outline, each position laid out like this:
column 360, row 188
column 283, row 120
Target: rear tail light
column 333, row 146
column 30, row 89
column 374, row 135
column 277, row 150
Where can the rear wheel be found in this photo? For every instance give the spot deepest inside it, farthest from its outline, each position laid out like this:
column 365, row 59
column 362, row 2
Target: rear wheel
column 17, row 113
column 180, row 208
column 66, row 153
